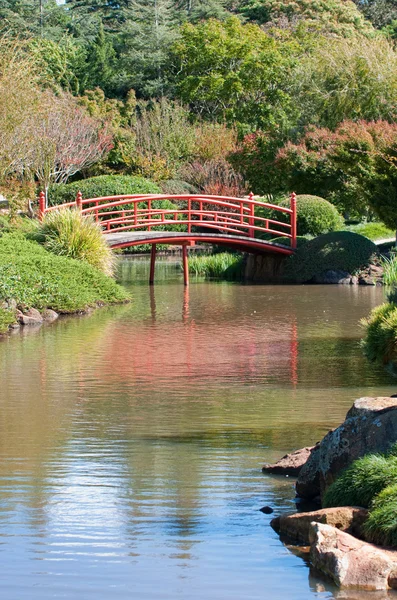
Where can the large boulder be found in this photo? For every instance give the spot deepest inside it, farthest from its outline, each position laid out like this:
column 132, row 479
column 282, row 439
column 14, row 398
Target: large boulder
column 350, row 562
column 297, row 526
column 290, row 464
column 370, row 426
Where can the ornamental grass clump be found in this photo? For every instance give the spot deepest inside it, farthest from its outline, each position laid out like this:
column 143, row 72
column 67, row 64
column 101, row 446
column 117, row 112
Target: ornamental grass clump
column 66, row 232
column 381, row 525
column 380, row 341
column 362, row 481
column 389, row 270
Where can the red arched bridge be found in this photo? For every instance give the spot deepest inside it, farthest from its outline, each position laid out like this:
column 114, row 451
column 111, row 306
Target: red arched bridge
column 240, row 223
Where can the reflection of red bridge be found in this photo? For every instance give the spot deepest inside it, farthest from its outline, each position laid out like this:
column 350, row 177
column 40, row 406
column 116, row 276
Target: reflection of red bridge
column 131, row 220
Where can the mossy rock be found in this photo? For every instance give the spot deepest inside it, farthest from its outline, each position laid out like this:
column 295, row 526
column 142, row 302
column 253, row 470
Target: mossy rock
column 333, row 251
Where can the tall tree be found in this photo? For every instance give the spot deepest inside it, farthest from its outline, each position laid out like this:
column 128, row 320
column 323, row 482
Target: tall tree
column 101, row 62
column 146, row 38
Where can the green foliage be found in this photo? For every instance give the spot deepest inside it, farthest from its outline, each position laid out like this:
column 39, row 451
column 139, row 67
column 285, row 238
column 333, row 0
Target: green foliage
column 372, row 230
column 177, row 186
column 389, row 270
column 327, row 16
column 314, row 215
column 226, row 70
column 102, row 185
column 379, row 12
column 34, row 277
column 66, row 232
column 381, row 525
column 101, row 62
column 348, row 79
column 362, row 481
column 300, row 241
column 380, row 341
column 217, row 266
column 7, row 317
column 337, row 250
column 62, row 63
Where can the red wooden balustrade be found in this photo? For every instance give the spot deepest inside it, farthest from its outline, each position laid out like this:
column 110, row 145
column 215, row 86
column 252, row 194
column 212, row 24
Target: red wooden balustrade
column 235, row 216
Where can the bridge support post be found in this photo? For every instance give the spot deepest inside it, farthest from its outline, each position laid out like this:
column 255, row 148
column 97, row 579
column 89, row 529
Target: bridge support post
column 152, row 263
column 185, row 265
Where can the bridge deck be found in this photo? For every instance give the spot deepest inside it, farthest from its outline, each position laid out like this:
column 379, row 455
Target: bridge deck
column 244, row 243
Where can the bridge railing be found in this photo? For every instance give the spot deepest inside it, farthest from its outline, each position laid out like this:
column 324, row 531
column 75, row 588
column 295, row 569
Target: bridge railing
column 236, row 216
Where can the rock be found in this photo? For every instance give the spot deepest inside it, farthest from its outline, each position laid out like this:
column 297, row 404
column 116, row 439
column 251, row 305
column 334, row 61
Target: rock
column 30, row 317
column 332, row 277
column 351, row 563
column 267, row 510
column 297, row 526
column 290, row 464
column 50, row 315
column 370, row 426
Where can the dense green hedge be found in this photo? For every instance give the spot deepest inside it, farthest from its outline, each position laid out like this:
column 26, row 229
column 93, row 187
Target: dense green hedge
column 314, row 215
column 103, row 185
column 336, row 251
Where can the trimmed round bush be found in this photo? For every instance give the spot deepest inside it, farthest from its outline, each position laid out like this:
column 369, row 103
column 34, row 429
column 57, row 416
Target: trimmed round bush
column 381, row 525
column 362, row 481
column 102, row 185
column 315, row 215
column 300, row 241
column 334, row 251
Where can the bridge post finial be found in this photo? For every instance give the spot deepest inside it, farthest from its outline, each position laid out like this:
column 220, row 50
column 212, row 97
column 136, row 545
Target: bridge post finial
column 293, row 220
column 251, row 195
column 79, row 201
column 41, row 205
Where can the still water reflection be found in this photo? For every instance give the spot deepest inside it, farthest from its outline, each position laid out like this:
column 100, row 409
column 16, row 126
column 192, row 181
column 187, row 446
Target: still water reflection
column 131, row 441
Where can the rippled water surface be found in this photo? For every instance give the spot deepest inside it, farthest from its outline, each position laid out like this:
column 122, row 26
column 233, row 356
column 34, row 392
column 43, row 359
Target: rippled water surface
column 131, row 440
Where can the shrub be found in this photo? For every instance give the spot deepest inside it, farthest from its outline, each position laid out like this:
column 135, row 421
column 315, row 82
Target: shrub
column 34, row 277
column 314, row 215
column 102, row 185
column 389, row 270
column 300, row 241
column 177, row 186
column 380, row 341
column 66, row 232
column 7, row 317
column 381, row 525
column 362, row 481
column 214, row 177
column 219, row 266
column 337, row 250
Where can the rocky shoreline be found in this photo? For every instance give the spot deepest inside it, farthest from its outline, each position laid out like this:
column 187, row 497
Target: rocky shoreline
column 335, row 538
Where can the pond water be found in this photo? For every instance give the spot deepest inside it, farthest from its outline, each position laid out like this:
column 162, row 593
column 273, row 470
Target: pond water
column 132, row 440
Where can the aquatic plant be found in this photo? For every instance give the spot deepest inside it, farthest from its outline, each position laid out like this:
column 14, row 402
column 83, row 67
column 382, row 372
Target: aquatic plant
column 218, row 266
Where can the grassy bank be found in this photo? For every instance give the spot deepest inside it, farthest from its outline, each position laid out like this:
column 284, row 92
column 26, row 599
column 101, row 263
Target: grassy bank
column 217, row 266
column 32, row 276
